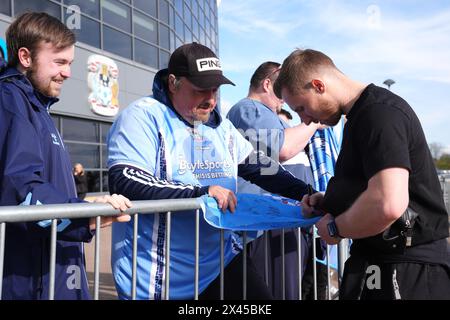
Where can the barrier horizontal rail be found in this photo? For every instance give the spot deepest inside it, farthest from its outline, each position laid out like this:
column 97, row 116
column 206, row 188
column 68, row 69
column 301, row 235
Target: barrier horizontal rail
column 88, row 210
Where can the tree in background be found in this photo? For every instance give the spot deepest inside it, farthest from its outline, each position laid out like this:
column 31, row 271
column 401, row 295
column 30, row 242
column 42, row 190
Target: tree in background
column 444, row 162
column 436, row 150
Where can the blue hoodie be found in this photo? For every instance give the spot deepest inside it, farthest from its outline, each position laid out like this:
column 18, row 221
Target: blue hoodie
column 35, row 168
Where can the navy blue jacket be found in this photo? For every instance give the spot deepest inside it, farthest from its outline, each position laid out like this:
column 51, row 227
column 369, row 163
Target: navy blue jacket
column 35, row 169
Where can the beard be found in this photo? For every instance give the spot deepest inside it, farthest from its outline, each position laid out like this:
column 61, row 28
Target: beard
column 203, row 112
column 332, row 114
column 44, row 86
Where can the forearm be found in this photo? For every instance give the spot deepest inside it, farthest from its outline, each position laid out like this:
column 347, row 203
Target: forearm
column 136, row 184
column 383, row 202
column 363, row 219
column 271, row 176
column 296, row 139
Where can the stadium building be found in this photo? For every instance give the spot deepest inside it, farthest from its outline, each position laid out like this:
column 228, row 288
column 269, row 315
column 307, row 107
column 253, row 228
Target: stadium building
column 121, row 45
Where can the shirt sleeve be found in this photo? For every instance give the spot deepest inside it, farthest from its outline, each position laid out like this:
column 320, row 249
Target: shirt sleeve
column 383, row 139
column 260, row 126
column 134, row 138
column 133, row 145
column 271, row 176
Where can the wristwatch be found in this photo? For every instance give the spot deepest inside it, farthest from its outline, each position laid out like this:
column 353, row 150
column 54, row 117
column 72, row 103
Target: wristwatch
column 333, row 230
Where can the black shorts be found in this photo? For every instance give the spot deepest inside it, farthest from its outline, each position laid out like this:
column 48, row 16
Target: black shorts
column 395, row 281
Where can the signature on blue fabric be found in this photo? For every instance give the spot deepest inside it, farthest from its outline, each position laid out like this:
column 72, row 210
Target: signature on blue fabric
column 257, row 212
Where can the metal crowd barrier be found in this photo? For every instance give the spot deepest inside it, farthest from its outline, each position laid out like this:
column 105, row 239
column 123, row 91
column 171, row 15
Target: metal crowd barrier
column 445, row 186
column 53, row 212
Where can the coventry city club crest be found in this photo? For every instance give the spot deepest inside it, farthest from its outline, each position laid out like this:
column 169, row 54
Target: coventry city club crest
column 103, row 84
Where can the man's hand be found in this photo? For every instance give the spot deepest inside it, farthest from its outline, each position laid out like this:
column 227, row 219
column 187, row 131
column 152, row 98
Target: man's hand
column 117, row 201
column 322, row 230
column 225, row 198
column 310, row 203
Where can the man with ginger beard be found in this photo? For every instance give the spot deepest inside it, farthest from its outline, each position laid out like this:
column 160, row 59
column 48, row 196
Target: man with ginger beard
column 385, row 194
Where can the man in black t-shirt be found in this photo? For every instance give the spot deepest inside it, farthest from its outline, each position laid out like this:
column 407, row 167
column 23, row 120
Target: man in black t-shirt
column 385, row 194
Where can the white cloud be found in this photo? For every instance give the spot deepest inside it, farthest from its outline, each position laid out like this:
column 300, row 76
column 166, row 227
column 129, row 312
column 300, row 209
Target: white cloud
column 264, row 17
column 418, row 48
column 353, row 35
column 369, row 43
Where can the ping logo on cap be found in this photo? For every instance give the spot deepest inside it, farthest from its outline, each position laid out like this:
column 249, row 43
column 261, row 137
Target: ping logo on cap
column 208, row 64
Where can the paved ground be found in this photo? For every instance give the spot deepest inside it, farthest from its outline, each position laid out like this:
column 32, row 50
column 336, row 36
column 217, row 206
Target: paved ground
column 107, row 291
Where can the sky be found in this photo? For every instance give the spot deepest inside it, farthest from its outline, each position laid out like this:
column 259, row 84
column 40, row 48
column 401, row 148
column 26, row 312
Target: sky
column 407, row 41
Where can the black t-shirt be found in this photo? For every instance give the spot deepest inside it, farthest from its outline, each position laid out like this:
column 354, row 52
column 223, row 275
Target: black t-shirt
column 382, row 131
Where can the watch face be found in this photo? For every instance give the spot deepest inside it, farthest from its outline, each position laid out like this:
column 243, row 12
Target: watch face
column 332, row 229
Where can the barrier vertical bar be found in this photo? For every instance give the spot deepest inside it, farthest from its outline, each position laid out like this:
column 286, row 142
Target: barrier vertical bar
column 266, row 258
column 314, row 262
column 222, row 264
column 300, row 267
column 244, row 267
column 51, row 290
column 328, row 274
column 97, row 256
column 167, row 267
column 197, row 251
column 2, row 254
column 342, row 246
column 134, row 262
column 283, row 267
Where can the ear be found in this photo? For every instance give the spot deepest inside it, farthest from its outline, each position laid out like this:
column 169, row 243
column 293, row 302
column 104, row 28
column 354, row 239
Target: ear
column 24, row 56
column 318, row 85
column 171, row 83
column 266, row 85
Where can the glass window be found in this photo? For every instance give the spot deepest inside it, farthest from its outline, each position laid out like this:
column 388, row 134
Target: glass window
column 178, row 42
column 171, row 17
column 56, row 122
column 210, row 30
column 211, row 15
column 116, row 14
column 148, row 6
column 195, row 27
column 93, row 178
column 80, row 130
column 179, row 6
column 145, row 53
column 33, row 5
column 116, row 42
column 105, row 130
column 105, row 181
column 89, row 7
column 187, row 16
column 187, row 35
column 86, row 154
column 163, row 59
column 194, row 8
column 104, row 157
column 179, row 29
column 5, row 7
column 145, row 27
column 89, row 32
column 164, row 37
column 201, row 19
column 164, row 11
column 172, row 41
